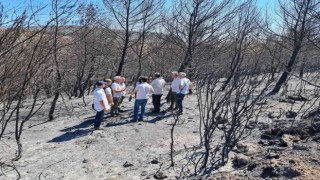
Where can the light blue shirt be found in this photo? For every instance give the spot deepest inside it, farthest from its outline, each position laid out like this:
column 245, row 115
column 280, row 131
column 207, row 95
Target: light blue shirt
column 185, row 86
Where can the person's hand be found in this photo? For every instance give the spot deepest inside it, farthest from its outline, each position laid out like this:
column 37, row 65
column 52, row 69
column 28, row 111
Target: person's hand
column 106, row 110
column 112, row 104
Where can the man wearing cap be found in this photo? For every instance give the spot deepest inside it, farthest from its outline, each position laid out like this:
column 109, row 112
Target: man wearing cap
column 158, row 85
column 100, row 104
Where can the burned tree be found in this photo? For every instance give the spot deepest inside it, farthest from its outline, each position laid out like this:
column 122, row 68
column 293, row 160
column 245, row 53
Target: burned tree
column 297, row 24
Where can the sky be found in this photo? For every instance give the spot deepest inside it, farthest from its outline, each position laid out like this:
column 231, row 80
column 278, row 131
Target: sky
column 269, row 5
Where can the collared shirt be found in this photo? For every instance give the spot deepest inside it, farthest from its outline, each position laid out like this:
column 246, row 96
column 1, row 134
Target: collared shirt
column 99, row 95
column 175, row 85
column 143, row 91
column 116, row 86
column 158, row 85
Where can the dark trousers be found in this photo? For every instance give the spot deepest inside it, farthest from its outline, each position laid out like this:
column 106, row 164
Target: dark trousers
column 173, row 99
column 120, row 101
column 114, row 108
column 156, row 101
column 98, row 119
column 180, row 98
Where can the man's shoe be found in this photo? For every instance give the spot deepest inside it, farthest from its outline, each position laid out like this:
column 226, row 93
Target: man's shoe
column 117, row 114
column 113, row 115
column 140, row 119
column 154, row 112
column 133, row 120
column 179, row 112
column 98, row 128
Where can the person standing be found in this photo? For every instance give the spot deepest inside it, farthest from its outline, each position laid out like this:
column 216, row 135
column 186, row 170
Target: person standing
column 108, row 91
column 184, row 86
column 142, row 92
column 174, row 89
column 100, row 104
column 123, row 93
column 158, row 86
column 117, row 94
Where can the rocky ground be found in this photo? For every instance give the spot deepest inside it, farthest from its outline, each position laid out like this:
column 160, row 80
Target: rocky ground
column 68, row 148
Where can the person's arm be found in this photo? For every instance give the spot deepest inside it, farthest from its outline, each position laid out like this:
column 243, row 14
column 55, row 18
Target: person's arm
column 151, row 90
column 101, row 101
column 110, row 99
column 116, row 91
column 104, row 106
column 133, row 92
column 191, row 85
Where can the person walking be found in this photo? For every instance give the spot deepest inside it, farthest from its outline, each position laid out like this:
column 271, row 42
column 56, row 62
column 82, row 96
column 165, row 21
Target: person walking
column 100, row 104
column 174, row 89
column 142, row 92
column 184, row 86
column 117, row 94
column 158, row 86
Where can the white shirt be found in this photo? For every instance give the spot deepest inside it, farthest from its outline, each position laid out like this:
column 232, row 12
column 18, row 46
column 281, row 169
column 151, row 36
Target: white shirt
column 175, row 85
column 158, row 85
column 108, row 91
column 185, row 82
column 99, row 95
column 116, row 86
column 143, row 90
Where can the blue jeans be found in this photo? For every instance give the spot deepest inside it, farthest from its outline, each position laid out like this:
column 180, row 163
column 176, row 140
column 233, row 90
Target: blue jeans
column 180, row 98
column 137, row 104
column 98, row 119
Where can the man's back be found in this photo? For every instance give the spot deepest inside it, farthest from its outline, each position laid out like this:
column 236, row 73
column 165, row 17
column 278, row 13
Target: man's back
column 158, row 85
column 175, row 85
column 185, row 82
column 143, row 90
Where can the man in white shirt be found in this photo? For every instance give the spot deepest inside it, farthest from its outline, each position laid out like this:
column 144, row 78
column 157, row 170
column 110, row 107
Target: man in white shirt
column 142, row 92
column 123, row 93
column 117, row 90
column 174, row 89
column 108, row 91
column 100, row 104
column 184, row 86
column 158, row 85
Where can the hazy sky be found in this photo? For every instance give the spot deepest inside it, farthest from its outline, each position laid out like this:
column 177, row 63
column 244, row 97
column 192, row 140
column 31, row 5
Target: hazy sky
column 21, row 4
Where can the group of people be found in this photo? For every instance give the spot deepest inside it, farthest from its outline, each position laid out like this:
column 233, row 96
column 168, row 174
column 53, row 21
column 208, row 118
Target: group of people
column 108, row 95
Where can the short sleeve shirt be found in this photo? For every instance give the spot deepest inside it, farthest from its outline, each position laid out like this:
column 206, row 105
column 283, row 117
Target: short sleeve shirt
column 116, row 86
column 175, row 85
column 108, row 91
column 158, row 85
column 143, row 91
column 99, row 95
column 185, row 86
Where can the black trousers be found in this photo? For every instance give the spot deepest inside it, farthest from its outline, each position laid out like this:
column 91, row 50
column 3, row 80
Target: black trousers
column 156, row 101
column 173, row 99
